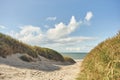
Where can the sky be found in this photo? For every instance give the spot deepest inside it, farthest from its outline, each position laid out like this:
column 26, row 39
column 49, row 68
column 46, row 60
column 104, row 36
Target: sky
column 62, row 25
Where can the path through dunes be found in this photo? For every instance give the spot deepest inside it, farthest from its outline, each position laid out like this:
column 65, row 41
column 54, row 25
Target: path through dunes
column 13, row 68
column 66, row 72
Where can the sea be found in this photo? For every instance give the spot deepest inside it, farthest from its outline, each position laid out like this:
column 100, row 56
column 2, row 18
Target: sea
column 75, row 55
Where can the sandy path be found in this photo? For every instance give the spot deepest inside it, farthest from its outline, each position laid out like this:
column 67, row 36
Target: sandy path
column 68, row 72
column 12, row 68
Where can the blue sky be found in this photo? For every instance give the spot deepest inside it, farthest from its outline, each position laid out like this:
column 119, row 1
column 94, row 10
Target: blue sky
column 64, row 25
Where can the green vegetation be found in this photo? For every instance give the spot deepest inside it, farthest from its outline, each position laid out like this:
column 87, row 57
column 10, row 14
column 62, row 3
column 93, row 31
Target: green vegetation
column 68, row 59
column 103, row 62
column 9, row 46
column 48, row 53
column 27, row 58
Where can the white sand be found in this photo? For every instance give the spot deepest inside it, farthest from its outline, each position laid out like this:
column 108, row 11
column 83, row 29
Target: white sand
column 12, row 68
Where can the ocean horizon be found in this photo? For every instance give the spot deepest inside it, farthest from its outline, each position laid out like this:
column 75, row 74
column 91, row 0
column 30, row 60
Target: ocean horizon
column 75, row 55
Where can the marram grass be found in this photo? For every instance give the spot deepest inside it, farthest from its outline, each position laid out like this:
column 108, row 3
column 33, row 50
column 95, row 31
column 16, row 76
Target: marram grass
column 9, row 45
column 103, row 62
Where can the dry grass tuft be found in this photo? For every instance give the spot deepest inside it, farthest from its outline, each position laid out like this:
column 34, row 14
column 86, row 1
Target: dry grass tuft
column 103, row 62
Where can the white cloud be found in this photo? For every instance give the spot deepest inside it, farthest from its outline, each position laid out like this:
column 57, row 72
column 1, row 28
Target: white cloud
column 28, row 34
column 88, row 16
column 2, row 27
column 61, row 30
column 51, row 18
column 72, row 49
column 26, row 30
column 74, row 40
column 57, row 36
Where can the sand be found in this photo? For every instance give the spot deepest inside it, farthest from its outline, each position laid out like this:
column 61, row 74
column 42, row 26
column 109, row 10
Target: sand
column 12, row 68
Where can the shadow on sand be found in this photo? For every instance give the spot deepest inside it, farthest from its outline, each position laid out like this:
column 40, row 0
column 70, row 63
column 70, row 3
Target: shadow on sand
column 44, row 65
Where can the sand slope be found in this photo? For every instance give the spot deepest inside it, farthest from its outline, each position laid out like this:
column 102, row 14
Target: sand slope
column 13, row 68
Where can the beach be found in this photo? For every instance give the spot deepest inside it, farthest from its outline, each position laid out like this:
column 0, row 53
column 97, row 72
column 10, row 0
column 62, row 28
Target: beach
column 13, row 68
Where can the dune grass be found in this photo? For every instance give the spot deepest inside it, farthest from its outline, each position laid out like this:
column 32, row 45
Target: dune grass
column 9, row 45
column 27, row 58
column 103, row 62
column 69, row 59
column 48, row 53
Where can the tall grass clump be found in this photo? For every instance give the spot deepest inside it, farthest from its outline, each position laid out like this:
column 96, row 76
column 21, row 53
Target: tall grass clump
column 103, row 62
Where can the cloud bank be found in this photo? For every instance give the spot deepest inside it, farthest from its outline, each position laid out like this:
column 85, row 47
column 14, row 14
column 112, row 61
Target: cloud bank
column 61, row 30
column 28, row 34
column 59, row 35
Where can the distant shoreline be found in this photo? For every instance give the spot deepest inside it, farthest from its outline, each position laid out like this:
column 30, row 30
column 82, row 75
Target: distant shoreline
column 75, row 56
column 78, row 60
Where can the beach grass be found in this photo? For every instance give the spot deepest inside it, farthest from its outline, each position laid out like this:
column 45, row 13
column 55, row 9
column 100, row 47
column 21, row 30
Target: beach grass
column 9, row 46
column 103, row 62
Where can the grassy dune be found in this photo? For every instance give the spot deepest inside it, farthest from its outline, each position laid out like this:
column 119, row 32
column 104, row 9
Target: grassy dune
column 9, row 45
column 103, row 62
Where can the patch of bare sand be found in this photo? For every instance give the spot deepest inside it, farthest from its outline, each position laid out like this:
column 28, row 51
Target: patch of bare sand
column 20, row 70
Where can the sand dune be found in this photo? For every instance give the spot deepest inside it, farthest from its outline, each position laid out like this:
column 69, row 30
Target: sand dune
column 12, row 68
